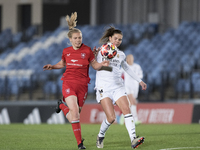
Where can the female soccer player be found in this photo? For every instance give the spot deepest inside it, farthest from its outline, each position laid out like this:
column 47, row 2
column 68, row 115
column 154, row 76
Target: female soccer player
column 132, row 86
column 110, row 89
column 76, row 59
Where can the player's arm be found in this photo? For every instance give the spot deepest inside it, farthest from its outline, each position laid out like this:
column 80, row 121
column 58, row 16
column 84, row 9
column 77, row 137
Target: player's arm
column 59, row 65
column 128, row 70
column 100, row 66
column 140, row 72
column 96, row 51
column 106, row 68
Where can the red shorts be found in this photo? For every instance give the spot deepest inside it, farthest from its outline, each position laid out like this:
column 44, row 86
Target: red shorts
column 79, row 90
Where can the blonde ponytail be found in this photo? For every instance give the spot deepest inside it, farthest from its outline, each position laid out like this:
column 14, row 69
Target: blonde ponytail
column 71, row 21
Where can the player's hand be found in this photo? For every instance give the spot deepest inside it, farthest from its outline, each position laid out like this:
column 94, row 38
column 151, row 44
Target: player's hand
column 105, row 63
column 95, row 51
column 47, row 67
column 143, row 85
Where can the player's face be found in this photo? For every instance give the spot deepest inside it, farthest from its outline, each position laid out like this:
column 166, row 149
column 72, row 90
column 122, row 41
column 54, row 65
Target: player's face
column 116, row 39
column 130, row 59
column 76, row 40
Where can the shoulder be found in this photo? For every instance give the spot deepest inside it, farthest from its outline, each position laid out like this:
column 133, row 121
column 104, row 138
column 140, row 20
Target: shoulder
column 121, row 54
column 67, row 49
column 85, row 47
column 137, row 65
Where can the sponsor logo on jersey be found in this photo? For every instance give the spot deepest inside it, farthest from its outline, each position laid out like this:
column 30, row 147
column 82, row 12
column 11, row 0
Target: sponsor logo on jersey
column 112, row 60
column 73, row 60
column 72, row 64
column 83, row 55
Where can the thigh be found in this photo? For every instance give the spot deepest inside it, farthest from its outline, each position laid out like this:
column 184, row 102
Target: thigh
column 108, row 107
column 132, row 99
column 71, row 102
column 123, row 104
column 68, row 89
column 81, row 92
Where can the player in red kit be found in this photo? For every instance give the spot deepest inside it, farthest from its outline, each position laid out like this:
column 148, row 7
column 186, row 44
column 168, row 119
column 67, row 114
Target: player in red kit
column 76, row 59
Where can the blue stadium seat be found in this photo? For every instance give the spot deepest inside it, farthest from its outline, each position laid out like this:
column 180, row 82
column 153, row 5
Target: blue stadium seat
column 50, row 87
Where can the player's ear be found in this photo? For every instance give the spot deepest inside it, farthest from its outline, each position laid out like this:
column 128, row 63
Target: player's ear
column 70, row 39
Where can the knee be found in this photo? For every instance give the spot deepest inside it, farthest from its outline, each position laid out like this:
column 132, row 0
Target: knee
column 126, row 110
column 74, row 114
column 111, row 119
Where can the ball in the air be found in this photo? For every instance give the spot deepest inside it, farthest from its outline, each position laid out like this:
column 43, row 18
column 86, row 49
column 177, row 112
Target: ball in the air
column 108, row 50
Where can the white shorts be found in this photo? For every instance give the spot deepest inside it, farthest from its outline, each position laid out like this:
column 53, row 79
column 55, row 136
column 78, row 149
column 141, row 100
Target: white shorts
column 114, row 95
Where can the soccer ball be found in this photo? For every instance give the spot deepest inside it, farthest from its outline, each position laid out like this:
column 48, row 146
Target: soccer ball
column 108, row 50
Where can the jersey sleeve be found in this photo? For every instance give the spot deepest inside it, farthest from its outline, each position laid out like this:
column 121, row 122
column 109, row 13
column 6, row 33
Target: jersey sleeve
column 128, row 70
column 124, row 56
column 140, row 72
column 91, row 57
column 63, row 56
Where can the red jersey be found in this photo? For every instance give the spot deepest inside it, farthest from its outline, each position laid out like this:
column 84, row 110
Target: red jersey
column 77, row 64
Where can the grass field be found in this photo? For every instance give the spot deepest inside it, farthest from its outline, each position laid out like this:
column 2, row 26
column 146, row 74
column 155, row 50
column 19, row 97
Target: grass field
column 60, row 137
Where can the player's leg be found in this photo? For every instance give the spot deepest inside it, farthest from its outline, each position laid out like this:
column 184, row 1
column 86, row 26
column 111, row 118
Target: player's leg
column 74, row 118
column 123, row 104
column 66, row 91
column 61, row 106
column 108, row 108
column 71, row 112
column 133, row 107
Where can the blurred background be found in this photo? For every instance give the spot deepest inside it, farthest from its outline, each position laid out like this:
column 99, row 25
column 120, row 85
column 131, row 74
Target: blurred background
column 163, row 36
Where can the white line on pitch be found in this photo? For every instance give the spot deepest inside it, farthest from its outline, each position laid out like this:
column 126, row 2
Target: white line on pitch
column 179, row 148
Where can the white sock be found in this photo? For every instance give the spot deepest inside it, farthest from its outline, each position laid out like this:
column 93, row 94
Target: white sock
column 133, row 109
column 104, row 127
column 130, row 125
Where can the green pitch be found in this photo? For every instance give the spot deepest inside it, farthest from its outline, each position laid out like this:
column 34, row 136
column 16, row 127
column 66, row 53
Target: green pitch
column 61, row 137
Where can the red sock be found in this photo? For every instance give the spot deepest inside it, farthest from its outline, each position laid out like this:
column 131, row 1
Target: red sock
column 77, row 131
column 64, row 108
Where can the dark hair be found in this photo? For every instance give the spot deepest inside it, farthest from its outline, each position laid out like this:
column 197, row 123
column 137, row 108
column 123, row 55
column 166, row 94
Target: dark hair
column 109, row 32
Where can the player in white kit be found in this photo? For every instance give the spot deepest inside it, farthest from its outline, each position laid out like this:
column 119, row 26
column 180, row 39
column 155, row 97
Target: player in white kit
column 132, row 86
column 110, row 89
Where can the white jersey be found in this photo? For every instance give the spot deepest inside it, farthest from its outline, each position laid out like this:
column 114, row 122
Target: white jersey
column 107, row 80
column 131, row 85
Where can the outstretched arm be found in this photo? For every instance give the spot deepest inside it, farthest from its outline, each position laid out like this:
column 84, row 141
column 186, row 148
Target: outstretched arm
column 59, row 65
column 95, row 52
column 128, row 70
column 99, row 66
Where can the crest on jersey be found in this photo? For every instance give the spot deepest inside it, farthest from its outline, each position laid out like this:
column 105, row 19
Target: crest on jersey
column 83, row 55
column 117, row 55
